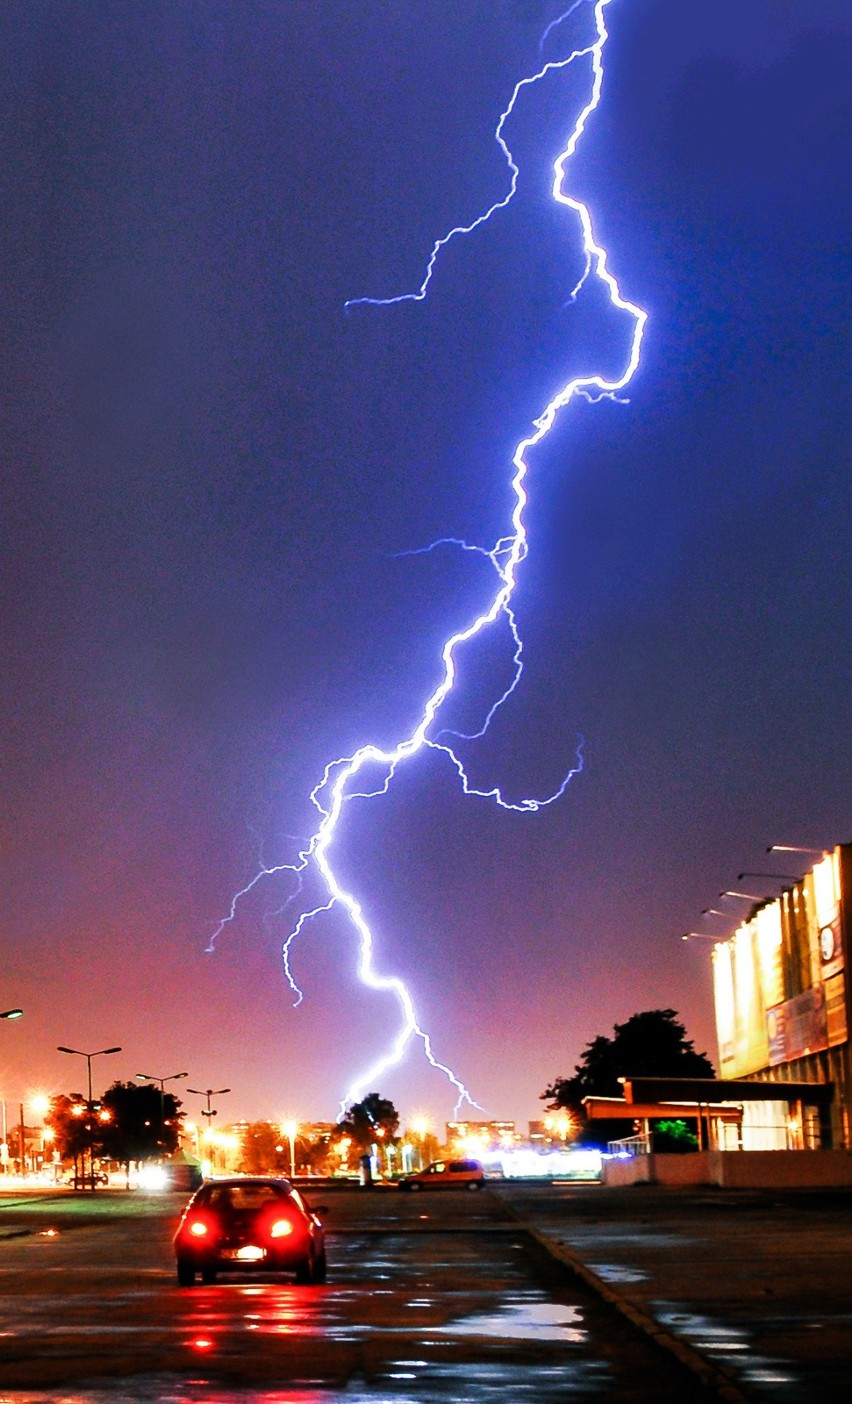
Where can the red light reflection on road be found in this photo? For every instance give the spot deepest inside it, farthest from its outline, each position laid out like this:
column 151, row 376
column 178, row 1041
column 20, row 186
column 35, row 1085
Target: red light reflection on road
column 269, row 1310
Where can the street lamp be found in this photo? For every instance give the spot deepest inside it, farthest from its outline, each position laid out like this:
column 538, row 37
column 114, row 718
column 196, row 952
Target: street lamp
column 209, row 1111
column 700, row 936
column 208, row 1093
column 420, row 1126
column 12, row 1014
column 98, row 1053
column 172, row 1077
column 791, row 848
column 290, row 1128
column 88, row 1057
column 161, row 1082
column 41, row 1106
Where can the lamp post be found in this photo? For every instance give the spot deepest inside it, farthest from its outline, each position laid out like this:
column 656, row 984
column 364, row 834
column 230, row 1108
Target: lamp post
column 41, row 1106
column 208, row 1111
column 290, row 1128
column 98, row 1053
column 420, row 1126
column 792, row 848
column 4, row 1149
column 161, row 1083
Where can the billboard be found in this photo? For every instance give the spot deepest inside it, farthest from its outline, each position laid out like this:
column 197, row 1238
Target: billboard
column 779, row 982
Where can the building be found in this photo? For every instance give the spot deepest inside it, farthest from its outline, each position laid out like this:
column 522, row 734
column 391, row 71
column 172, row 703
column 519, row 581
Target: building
column 782, row 1008
column 784, row 1091
column 476, row 1137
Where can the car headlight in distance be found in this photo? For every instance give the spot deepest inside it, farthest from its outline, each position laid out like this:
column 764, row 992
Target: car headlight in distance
column 153, row 1177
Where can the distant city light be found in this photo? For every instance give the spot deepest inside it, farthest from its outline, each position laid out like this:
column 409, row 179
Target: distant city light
column 580, row 1164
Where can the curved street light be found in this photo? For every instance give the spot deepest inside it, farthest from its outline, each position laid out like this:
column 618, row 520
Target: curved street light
column 209, row 1111
column 12, row 1014
column 791, row 848
column 98, row 1053
column 161, row 1083
column 208, row 1093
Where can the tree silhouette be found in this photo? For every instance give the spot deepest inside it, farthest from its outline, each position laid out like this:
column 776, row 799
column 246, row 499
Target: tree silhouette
column 373, row 1119
column 73, row 1129
column 650, row 1044
column 143, row 1122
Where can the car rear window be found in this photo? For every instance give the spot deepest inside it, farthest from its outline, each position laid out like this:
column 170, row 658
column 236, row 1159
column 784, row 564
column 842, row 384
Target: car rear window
column 244, row 1197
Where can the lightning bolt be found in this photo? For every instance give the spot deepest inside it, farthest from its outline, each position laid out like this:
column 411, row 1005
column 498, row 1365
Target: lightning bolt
column 341, row 782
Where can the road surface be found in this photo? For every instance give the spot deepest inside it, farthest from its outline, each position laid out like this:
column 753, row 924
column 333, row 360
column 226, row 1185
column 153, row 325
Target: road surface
column 430, row 1298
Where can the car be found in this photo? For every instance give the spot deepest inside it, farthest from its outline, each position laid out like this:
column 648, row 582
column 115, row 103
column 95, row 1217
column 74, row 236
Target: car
column 446, row 1174
column 89, row 1180
column 249, row 1224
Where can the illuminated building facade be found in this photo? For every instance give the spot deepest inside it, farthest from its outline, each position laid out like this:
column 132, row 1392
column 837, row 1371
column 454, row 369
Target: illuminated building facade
column 476, row 1137
column 782, row 1005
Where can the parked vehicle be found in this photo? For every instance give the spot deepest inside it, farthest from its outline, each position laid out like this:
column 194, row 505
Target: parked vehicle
column 446, row 1174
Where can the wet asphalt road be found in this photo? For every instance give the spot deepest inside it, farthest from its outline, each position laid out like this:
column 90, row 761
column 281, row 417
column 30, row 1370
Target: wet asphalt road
column 438, row 1297
column 757, row 1284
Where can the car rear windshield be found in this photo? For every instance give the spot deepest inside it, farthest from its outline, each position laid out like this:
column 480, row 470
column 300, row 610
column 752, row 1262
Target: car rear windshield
column 244, row 1197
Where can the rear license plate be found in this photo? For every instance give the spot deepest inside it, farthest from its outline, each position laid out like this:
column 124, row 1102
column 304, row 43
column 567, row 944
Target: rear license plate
column 249, row 1253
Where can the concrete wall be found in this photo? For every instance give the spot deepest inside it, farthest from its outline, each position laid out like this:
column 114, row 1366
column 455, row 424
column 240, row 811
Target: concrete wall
column 780, row 1169
column 658, row 1169
column 734, row 1169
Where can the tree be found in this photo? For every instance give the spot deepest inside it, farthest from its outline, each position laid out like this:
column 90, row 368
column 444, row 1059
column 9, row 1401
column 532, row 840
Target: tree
column 143, row 1122
column 262, row 1151
column 68, row 1120
column 674, row 1137
column 650, row 1044
column 374, row 1119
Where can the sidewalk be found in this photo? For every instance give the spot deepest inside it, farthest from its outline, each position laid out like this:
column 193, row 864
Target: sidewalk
column 751, row 1289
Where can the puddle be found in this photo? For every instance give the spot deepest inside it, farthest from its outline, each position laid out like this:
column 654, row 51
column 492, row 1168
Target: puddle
column 543, row 1321
column 614, row 1272
column 498, row 1383
column 160, row 1389
column 728, row 1344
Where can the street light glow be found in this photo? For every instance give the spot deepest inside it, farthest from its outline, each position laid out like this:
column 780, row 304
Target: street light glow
column 290, row 1128
column 791, row 848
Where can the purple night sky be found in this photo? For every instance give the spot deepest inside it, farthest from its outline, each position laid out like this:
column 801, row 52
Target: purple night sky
column 210, row 471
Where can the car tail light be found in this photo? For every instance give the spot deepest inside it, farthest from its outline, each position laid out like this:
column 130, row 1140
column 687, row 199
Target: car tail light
column 198, row 1228
column 280, row 1228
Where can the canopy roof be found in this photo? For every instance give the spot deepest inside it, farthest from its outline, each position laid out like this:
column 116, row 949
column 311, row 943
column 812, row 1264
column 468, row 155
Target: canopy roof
column 616, row 1108
column 705, row 1090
